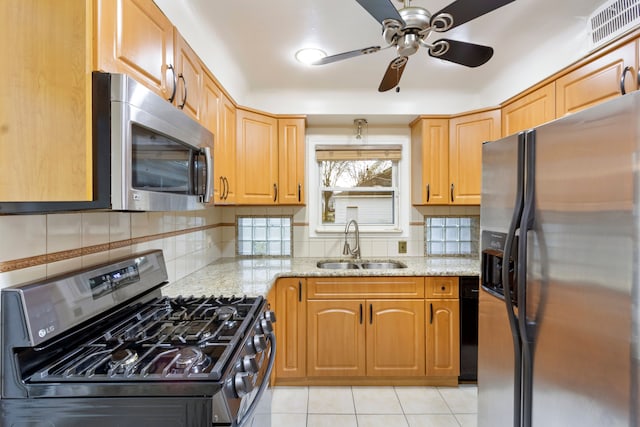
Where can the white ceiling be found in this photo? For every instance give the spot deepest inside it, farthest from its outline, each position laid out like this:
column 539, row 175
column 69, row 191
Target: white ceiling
column 250, row 47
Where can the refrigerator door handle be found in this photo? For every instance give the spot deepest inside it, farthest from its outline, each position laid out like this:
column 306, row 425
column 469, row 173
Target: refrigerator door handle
column 506, row 280
column 521, row 279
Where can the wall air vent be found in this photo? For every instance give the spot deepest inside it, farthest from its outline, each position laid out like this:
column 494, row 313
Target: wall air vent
column 612, row 19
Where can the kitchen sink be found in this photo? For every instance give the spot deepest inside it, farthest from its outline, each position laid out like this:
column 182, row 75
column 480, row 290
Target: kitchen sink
column 355, row 265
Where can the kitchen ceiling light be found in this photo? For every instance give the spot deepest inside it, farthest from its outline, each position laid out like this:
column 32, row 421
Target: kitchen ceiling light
column 309, row 55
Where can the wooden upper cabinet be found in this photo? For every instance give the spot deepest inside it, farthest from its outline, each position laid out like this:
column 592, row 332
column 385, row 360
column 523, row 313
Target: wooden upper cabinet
column 466, row 135
column 45, row 114
column 134, row 37
column 430, row 162
column 530, row 110
column 190, row 77
column 597, row 81
column 219, row 115
column 257, row 158
column 291, row 146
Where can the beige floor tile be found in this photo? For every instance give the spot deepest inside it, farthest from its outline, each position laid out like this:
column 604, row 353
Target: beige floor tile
column 331, row 420
column 376, row 400
column 288, row 420
column 467, row 420
column 331, row 400
column 422, row 400
column 432, row 420
column 462, row 399
column 384, row 420
column 291, row 400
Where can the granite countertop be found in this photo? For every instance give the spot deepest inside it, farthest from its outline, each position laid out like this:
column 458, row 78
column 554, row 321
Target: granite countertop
column 255, row 276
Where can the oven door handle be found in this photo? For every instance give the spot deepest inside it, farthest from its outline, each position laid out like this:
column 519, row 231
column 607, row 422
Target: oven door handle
column 246, row 418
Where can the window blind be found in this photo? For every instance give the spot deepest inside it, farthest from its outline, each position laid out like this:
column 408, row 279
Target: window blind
column 359, row 152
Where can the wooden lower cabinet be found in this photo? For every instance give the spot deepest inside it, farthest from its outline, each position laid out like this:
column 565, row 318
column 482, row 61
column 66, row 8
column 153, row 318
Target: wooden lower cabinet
column 443, row 337
column 395, row 334
column 335, row 338
column 365, row 337
column 291, row 328
column 367, row 330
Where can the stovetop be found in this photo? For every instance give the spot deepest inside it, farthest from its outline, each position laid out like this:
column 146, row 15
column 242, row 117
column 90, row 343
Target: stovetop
column 167, row 338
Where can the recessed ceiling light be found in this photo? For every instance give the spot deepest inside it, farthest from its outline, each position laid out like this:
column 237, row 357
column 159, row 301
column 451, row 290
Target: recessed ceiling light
column 309, row 55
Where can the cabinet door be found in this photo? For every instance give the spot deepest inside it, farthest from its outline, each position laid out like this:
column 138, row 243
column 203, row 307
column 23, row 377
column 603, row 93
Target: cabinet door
column 395, row 337
column 220, row 115
column 291, row 328
column 529, row 111
column 291, row 134
column 466, row 136
column 257, row 158
column 335, row 338
column 443, row 337
column 430, row 162
column 596, row 81
column 45, row 109
column 135, row 38
column 190, row 78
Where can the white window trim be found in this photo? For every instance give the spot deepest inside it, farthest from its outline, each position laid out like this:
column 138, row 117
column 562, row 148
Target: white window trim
column 403, row 195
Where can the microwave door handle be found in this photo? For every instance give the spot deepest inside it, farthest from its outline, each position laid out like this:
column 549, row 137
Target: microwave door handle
column 208, row 188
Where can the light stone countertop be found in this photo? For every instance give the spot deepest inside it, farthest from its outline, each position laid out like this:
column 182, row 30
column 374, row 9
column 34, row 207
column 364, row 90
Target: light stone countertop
column 255, row 276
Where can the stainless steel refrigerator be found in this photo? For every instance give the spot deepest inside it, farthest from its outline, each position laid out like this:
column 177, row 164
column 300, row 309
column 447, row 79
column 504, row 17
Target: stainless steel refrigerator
column 560, row 245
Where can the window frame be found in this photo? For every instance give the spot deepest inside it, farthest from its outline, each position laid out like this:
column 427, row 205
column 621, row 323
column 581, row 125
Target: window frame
column 402, row 200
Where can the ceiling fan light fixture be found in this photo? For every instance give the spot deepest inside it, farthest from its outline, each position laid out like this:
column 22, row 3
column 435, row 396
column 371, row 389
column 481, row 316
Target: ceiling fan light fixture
column 308, row 56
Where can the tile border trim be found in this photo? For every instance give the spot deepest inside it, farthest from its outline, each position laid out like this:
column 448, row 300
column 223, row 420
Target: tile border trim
column 18, row 264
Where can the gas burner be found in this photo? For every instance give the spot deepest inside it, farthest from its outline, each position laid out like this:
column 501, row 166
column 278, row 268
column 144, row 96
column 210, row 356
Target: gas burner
column 226, row 312
column 189, row 356
column 192, row 358
column 123, row 358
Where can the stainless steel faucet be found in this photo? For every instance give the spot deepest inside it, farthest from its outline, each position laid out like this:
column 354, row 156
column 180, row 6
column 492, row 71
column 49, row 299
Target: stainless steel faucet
column 347, row 249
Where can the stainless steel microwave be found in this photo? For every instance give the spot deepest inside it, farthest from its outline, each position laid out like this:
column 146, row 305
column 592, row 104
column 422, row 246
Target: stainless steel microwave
column 160, row 157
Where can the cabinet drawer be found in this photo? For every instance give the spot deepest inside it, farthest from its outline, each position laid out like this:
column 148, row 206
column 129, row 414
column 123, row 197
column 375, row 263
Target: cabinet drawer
column 366, row 287
column 441, row 287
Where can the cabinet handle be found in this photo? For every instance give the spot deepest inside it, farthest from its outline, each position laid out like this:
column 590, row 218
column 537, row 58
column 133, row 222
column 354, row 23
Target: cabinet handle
column 361, row 314
column 221, row 188
column 623, row 77
column 175, row 83
column 428, row 192
column 226, row 188
column 299, row 290
column 452, row 187
column 275, row 192
column 299, row 191
column 430, row 313
column 370, row 314
column 184, row 97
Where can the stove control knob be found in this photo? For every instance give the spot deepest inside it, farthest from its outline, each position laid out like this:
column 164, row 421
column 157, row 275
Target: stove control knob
column 259, row 343
column 242, row 384
column 266, row 325
column 249, row 364
column 270, row 316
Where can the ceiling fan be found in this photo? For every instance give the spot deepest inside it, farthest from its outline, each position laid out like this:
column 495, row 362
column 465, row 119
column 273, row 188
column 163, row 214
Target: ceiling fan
column 408, row 28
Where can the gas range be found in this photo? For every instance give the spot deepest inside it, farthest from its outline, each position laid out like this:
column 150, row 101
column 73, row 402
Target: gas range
column 106, row 337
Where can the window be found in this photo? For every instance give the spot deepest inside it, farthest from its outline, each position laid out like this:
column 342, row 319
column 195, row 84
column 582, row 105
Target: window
column 447, row 236
column 263, row 236
column 360, row 184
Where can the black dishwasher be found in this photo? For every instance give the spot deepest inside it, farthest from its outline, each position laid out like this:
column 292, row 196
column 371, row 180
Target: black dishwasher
column 469, row 287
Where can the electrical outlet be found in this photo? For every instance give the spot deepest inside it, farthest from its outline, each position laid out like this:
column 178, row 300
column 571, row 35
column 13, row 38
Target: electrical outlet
column 402, row 247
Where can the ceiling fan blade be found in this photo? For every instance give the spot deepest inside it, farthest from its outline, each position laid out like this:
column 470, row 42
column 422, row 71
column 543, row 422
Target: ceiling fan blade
column 346, row 55
column 463, row 53
column 381, row 10
column 462, row 11
column 394, row 72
